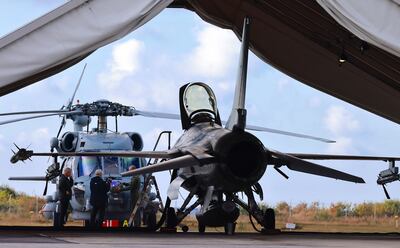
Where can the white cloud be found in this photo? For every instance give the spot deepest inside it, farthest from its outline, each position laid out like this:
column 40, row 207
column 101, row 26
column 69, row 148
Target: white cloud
column 340, row 121
column 38, row 138
column 343, row 145
column 215, row 53
column 156, row 85
column 124, row 63
column 151, row 88
column 41, row 134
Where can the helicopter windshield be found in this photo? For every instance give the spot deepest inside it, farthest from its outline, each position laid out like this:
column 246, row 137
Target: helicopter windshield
column 128, row 162
column 87, row 165
column 110, row 166
column 198, row 97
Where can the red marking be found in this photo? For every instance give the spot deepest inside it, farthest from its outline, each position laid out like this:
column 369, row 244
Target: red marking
column 110, row 223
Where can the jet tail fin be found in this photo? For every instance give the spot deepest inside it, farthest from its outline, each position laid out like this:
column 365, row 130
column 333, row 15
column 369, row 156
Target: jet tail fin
column 237, row 118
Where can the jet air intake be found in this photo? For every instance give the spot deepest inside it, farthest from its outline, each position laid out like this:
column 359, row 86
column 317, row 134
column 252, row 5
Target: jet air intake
column 242, row 157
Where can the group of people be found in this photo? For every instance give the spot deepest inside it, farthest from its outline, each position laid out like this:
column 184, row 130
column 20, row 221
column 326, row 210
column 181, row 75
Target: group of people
column 98, row 196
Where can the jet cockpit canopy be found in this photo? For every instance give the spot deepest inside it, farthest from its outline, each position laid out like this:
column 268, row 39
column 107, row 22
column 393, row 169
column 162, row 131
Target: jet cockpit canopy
column 198, row 104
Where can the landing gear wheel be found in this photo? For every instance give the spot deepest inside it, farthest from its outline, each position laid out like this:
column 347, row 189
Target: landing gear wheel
column 56, row 220
column 202, row 227
column 185, row 228
column 86, row 224
column 230, row 228
column 152, row 221
column 269, row 219
column 172, row 219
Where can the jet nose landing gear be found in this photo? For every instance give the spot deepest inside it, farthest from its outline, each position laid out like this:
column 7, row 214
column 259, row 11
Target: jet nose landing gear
column 222, row 214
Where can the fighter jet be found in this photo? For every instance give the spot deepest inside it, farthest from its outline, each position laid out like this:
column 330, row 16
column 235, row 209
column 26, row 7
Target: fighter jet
column 215, row 161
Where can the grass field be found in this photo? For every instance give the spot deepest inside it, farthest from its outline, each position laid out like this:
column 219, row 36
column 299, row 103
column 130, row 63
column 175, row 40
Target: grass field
column 350, row 226
column 18, row 209
column 243, row 225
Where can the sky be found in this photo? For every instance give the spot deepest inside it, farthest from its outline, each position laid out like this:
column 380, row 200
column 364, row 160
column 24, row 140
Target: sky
column 146, row 68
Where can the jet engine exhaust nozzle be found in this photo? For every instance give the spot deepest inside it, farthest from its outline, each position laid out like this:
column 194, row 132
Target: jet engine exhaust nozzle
column 242, row 156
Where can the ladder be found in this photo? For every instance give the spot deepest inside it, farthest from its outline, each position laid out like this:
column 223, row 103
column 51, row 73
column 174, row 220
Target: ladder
column 149, row 180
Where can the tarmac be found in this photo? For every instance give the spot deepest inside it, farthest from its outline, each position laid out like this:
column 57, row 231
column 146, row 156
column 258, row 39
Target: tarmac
column 42, row 237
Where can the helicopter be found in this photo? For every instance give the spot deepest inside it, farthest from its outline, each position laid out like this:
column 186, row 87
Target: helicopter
column 83, row 168
column 215, row 160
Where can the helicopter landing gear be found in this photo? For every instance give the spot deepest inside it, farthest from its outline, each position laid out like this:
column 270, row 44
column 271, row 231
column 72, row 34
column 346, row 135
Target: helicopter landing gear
column 56, row 220
column 201, row 227
column 269, row 219
column 230, row 228
column 185, row 228
column 86, row 224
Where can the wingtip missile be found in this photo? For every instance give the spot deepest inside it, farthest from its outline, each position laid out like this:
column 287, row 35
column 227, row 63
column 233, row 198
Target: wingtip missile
column 21, row 155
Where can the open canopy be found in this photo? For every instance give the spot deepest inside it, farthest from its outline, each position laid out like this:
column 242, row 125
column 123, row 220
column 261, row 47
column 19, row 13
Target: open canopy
column 303, row 39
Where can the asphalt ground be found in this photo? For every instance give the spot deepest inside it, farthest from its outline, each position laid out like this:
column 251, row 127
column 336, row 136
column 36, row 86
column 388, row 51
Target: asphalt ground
column 79, row 237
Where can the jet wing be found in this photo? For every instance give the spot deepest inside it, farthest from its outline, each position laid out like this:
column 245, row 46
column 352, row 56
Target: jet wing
column 176, row 163
column 312, row 156
column 300, row 165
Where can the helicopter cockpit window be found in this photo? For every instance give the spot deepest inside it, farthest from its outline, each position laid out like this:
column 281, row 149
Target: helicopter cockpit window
column 128, row 162
column 110, row 166
column 87, row 165
column 199, row 99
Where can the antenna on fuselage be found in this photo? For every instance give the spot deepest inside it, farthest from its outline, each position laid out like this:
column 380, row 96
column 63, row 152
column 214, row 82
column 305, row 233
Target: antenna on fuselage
column 237, row 118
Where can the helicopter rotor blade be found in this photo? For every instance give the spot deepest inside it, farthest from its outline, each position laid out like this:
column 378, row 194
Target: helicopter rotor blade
column 297, row 135
column 248, row 127
column 45, row 187
column 37, row 178
column 156, row 114
column 71, row 101
column 386, row 192
column 24, row 154
column 36, row 112
column 62, row 125
column 37, row 116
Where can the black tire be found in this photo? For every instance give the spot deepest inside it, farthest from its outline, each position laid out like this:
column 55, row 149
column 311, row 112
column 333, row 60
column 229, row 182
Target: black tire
column 86, row 224
column 152, row 221
column 56, row 220
column 202, row 227
column 230, row 228
column 269, row 219
column 172, row 220
column 185, row 229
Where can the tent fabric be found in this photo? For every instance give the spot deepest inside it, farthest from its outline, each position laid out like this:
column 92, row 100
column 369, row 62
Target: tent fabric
column 66, row 35
column 297, row 37
column 303, row 41
column 376, row 22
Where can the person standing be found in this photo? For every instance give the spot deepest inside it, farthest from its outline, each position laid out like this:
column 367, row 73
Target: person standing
column 65, row 184
column 98, row 198
column 135, row 193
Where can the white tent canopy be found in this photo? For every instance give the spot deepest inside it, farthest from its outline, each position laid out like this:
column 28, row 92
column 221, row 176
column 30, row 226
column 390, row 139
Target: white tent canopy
column 374, row 21
column 65, row 35
column 300, row 38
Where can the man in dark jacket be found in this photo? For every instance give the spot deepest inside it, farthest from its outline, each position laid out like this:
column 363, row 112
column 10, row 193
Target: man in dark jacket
column 98, row 198
column 65, row 184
